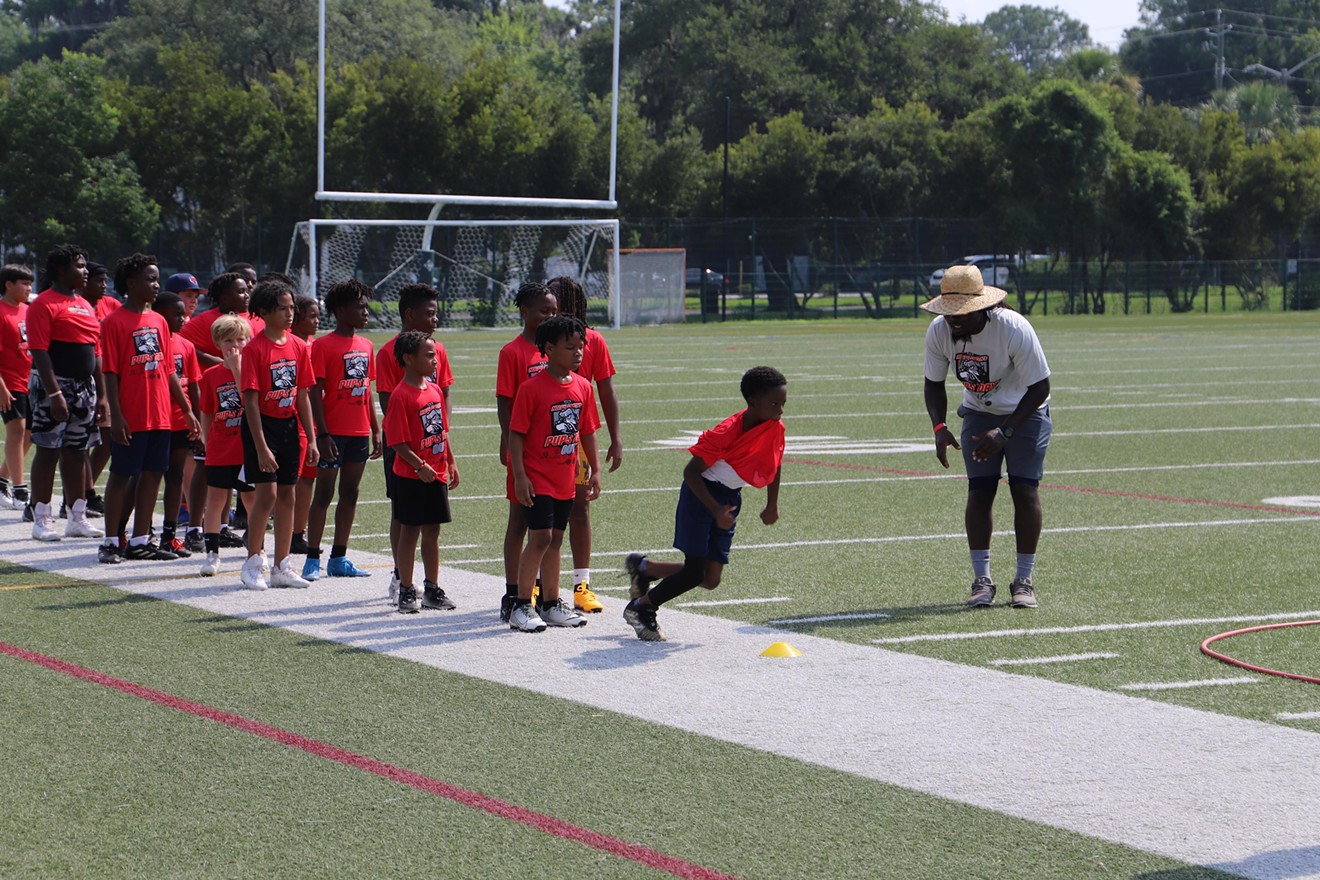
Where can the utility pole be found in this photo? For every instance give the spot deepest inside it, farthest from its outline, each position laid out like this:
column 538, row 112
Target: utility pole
column 1217, row 33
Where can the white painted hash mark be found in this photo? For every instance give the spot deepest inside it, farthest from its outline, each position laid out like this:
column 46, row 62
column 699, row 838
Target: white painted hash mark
column 1095, row 627
column 712, row 603
column 1182, row 685
column 1298, row 716
column 1058, row 658
column 828, row 618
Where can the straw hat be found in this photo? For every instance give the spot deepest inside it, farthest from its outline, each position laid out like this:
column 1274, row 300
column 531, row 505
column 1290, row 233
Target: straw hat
column 963, row 291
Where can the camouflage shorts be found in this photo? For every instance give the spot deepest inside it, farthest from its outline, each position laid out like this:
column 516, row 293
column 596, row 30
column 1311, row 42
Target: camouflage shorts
column 79, row 431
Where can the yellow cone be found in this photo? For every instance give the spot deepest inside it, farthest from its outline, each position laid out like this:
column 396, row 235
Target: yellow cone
column 781, row 649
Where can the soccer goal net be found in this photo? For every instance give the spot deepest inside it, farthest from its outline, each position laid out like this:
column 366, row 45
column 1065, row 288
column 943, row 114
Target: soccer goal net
column 476, row 265
column 651, row 285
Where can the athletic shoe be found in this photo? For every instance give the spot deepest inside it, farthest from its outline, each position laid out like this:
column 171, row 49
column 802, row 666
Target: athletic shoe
column 642, row 619
column 557, row 613
column 1022, row 594
column 395, row 583
column 79, row 527
column 585, row 600
column 231, row 538
column 211, row 567
column 638, row 583
column 184, row 518
column 238, row 520
column 108, row 554
column 299, row 544
column 506, row 607
column 149, row 551
column 28, row 516
column 408, row 600
column 194, row 541
column 536, row 595
column 434, row 597
column 254, row 572
column 43, row 528
column 22, row 497
column 340, row 567
column 64, row 511
column 95, row 505
column 179, row 547
column 525, row 619
column 983, row 593
column 6, row 495
column 311, row 569
column 283, row 575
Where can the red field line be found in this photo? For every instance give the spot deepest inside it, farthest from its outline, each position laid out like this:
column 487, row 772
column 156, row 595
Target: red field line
column 1056, row 487
column 539, row 821
column 1242, row 664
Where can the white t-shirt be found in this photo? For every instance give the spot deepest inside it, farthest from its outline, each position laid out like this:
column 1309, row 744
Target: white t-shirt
column 995, row 366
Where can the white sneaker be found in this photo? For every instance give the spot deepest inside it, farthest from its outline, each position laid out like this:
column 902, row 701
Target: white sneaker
column 254, row 571
column 211, row 567
column 78, row 526
column 525, row 619
column 284, row 576
column 558, row 613
column 394, row 588
column 43, row 524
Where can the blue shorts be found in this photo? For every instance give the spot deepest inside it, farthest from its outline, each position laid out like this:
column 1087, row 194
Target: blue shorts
column 1024, row 453
column 352, row 450
column 146, row 451
column 695, row 531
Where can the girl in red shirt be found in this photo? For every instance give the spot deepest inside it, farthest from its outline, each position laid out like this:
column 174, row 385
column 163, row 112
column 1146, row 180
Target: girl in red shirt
column 15, row 368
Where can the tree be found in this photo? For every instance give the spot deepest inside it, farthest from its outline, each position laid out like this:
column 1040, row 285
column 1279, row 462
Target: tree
column 1036, row 37
column 1264, row 109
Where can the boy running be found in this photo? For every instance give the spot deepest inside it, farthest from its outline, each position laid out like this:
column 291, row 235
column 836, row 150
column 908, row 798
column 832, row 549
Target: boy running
column 15, row 368
column 222, row 426
column 553, row 412
column 746, row 449
column 424, row 469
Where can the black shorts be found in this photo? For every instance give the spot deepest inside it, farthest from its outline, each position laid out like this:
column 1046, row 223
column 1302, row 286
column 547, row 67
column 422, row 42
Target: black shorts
column 20, row 409
column 352, row 450
column 284, row 439
column 387, row 456
column 179, row 440
column 227, row 476
column 145, row 451
column 420, row 504
column 548, row 513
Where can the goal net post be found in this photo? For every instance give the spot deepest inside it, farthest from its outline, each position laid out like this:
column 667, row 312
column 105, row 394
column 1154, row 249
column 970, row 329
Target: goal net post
column 651, row 285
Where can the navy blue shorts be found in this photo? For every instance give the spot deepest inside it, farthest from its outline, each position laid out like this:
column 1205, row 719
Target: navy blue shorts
column 352, row 450
column 1024, row 454
column 695, row 531
column 146, row 451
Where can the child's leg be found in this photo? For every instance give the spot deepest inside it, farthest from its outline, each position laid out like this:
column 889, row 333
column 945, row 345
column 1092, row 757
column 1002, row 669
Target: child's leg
column 263, row 502
column 284, row 507
column 73, row 470
column 430, row 539
column 200, row 500
column 213, row 510
column 116, row 504
column 144, row 502
column 99, row 457
column 179, row 456
column 550, row 568
column 533, row 558
column 302, row 504
column 319, row 505
column 350, row 479
column 691, row 574
column 514, row 532
column 406, row 551
column 14, row 432
column 579, row 531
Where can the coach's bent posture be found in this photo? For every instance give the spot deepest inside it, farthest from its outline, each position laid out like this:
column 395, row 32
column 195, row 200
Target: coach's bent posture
column 1006, row 416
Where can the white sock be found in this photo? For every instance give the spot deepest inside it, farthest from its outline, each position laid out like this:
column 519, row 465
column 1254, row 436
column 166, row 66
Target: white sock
column 581, row 576
column 980, row 563
column 138, row 540
column 1026, row 564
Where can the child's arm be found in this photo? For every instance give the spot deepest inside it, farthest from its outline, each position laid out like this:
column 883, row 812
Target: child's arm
column 504, row 411
column 425, row 472
column 593, row 459
column 770, row 515
column 374, row 421
column 6, row 399
column 316, row 397
column 609, row 404
column 208, row 419
column 692, row 476
column 206, row 360
column 265, row 458
column 119, row 432
column 452, row 464
column 522, row 484
column 309, row 427
column 195, row 395
column 182, row 402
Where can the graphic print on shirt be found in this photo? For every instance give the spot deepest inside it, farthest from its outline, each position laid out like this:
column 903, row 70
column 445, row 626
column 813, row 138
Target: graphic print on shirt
column 283, row 382
column 432, row 416
column 22, row 336
column 564, row 427
column 536, row 366
column 146, row 348
column 229, row 406
column 973, row 370
column 178, row 365
column 356, row 367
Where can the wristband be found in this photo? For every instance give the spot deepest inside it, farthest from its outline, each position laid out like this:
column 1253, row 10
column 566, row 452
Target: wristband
column 56, row 393
column 941, row 426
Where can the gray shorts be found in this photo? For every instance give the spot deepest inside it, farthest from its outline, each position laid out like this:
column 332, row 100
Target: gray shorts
column 79, row 430
column 1024, row 453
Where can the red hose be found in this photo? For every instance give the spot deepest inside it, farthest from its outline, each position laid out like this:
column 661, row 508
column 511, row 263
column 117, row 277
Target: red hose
column 1224, row 658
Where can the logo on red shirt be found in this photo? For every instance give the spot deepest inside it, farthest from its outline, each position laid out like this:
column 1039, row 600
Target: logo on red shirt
column 356, row 366
column 146, row 347
column 283, row 382
column 564, row 422
column 229, row 405
column 432, row 416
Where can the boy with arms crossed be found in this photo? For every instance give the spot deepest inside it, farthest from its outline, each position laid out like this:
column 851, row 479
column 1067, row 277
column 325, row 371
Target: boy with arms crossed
column 423, row 466
column 15, row 368
column 554, row 411
column 222, row 426
column 746, row 449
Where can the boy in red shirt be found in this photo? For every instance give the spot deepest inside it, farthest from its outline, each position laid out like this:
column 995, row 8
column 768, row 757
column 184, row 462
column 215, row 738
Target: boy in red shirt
column 519, row 361
column 346, row 425
column 15, row 368
column 183, row 361
column 746, row 449
column 553, row 412
column 276, row 372
column 417, row 311
column 96, row 292
column 228, row 294
column 222, row 421
column 306, row 321
column 424, row 469
column 139, row 384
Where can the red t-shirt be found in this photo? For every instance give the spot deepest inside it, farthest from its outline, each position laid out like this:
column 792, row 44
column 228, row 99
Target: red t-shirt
column 416, row 416
column 189, row 371
column 553, row 417
column 276, row 372
column 135, row 346
column 54, row 317
column 106, row 306
column 596, row 362
column 197, row 330
column 221, row 398
column 754, row 455
column 346, row 367
column 519, row 361
column 15, row 360
column 390, row 374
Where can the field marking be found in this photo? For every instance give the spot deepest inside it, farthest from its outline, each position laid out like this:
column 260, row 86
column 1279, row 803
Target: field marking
column 392, row 772
column 715, row 603
column 829, row 618
column 1185, row 685
column 1092, row 627
column 1297, row 716
column 1295, row 501
column 1058, row 658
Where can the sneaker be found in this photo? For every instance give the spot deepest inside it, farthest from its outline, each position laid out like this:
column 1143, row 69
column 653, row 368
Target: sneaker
column 506, row 607
column 408, row 600
column 108, row 554
column 149, row 551
column 525, row 619
column 283, row 575
column 194, row 541
column 231, row 538
column 536, row 594
column 183, row 519
column 211, row 567
column 1022, row 593
column 179, row 547
column 64, row 511
column 298, row 545
column 43, row 528
column 95, row 505
column 238, row 520
column 638, row 583
column 585, row 600
column 983, row 593
column 28, row 516
column 642, row 619
column 311, row 568
column 79, row 527
column 254, row 572
column 22, row 497
column 6, row 495
column 434, row 597
column 395, row 583
column 557, row 613
column 340, row 567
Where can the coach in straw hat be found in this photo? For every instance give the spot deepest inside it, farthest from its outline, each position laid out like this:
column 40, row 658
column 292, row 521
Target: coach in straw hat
column 1005, row 415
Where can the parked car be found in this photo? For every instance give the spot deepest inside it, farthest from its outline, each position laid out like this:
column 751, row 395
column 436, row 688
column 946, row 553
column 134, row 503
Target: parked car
column 996, row 270
column 699, row 279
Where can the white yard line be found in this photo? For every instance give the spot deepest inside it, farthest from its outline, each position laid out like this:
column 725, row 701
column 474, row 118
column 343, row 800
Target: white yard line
column 1058, row 658
column 829, row 618
column 1094, row 627
column 1297, row 716
column 715, row 603
column 1185, row 685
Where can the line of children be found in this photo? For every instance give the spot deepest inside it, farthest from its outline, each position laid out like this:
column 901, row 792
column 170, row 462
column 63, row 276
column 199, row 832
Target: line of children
column 15, row 368
column 222, row 427
column 417, row 424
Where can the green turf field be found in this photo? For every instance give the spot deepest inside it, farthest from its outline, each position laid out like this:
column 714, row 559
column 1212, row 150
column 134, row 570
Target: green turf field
column 1175, row 441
